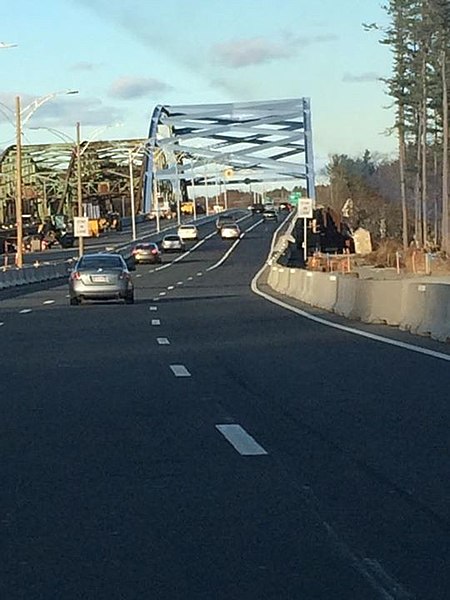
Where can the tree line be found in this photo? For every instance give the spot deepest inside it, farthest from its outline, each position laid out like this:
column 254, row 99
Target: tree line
column 408, row 197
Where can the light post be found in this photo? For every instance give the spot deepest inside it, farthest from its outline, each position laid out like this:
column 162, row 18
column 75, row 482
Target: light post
column 27, row 112
column 79, row 187
column 133, row 210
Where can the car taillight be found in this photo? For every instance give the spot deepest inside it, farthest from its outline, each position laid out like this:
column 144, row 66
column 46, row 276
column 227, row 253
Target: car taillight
column 134, row 251
column 154, row 251
column 75, row 275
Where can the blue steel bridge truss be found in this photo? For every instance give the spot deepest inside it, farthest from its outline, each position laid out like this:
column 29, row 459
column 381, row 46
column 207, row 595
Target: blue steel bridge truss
column 234, row 144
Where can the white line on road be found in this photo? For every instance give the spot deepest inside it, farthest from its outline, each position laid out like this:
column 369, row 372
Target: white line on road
column 179, row 283
column 365, row 334
column 241, row 441
column 171, row 287
column 48, row 302
column 1, row 323
column 156, row 322
column 162, row 293
column 199, row 274
column 138, row 275
column 25, row 311
column 153, row 308
column 180, row 371
column 190, row 278
column 232, row 247
column 163, row 341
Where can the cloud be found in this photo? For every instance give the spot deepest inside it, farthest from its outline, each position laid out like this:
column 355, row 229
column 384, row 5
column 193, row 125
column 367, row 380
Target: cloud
column 84, row 66
column 136, row 87
column 361, row 78
column 246, row 52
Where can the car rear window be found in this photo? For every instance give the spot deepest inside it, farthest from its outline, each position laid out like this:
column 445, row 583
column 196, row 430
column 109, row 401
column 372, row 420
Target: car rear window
column 172, row 238
column 101, row 262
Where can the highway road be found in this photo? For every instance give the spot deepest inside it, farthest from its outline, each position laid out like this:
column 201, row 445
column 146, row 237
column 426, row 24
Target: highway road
column 205, row 443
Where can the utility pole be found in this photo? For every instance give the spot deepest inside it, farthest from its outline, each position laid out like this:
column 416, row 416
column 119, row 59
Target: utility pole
column 19, row 250
column 79, row 188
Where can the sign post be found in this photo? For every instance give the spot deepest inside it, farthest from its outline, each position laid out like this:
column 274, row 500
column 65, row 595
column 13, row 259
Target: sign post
column 81, row 227
column 305, row 212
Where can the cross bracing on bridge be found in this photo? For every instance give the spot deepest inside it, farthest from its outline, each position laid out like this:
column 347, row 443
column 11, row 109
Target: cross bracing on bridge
column 50, row 179
column 238, row 143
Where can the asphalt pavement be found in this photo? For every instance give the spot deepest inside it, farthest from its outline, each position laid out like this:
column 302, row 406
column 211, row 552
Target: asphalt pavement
column 205, row 443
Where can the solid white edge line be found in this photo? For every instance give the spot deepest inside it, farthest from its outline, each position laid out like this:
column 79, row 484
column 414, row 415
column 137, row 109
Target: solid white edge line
column 241, row 441
column 371, row 336
column 180, row 371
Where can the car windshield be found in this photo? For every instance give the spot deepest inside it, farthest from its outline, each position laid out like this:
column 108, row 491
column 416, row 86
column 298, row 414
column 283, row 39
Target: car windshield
column 101, row 262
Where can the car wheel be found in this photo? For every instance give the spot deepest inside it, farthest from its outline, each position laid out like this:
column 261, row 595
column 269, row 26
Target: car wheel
column 129, row 299
column 74, row 301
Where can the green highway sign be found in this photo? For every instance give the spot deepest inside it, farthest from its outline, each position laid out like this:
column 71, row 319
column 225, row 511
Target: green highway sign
column 295, row 197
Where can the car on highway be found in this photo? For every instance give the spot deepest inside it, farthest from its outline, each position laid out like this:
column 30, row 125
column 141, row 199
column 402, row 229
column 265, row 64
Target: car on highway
column 100, row 276
column 188, row 232
column 172, row 243
column 224, row 220
column 257, row 208
column 270, row 214
column 230, row 232
column 146, row 252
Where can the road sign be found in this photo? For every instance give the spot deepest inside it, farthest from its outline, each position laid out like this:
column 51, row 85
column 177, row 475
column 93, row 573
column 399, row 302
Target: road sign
column 294, row 197
column 81, row 227
column 305, row 208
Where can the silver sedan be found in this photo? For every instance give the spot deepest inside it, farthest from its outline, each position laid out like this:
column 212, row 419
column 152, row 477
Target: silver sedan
column 100, row 277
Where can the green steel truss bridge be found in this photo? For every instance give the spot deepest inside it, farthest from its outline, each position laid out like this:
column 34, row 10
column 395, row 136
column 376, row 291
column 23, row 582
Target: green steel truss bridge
column 49, row 177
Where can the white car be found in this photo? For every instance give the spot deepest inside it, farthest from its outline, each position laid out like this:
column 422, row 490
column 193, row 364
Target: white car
column 172, row 243
column 230, row 232
column 188, row 232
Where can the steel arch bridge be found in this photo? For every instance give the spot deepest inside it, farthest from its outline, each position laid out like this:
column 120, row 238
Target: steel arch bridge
column 235, row 143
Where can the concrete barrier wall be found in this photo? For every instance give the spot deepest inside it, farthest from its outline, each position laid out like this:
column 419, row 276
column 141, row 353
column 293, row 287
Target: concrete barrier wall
column 30, row 274
column 421, row 308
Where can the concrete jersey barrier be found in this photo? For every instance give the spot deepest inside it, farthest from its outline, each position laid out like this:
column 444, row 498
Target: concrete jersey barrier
column 415, row 306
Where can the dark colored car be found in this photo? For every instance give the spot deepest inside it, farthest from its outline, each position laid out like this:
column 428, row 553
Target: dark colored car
column 257, row 208
column 146, row 252
column 270, row 215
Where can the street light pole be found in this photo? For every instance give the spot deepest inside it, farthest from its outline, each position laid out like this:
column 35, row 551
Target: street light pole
column 79, row 187
column 19, row 246
column 133, row 211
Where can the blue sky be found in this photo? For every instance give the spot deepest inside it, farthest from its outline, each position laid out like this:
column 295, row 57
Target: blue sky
column 126, row 56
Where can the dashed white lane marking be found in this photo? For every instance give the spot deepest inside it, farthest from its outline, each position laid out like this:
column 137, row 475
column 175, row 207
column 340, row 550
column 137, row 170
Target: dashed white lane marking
column 156, row 322
column 233, row 246
column 179, row 282
column 1, row 323
column 48, row 302
column 190, row 278
column 155, row 299
column 199, row 274
column 139, row 275
column 241, row 441
column 171, row 287
column 162, row 293
column 180, row 371
column 163, row 341
column 25, row 311
column 153, row 308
